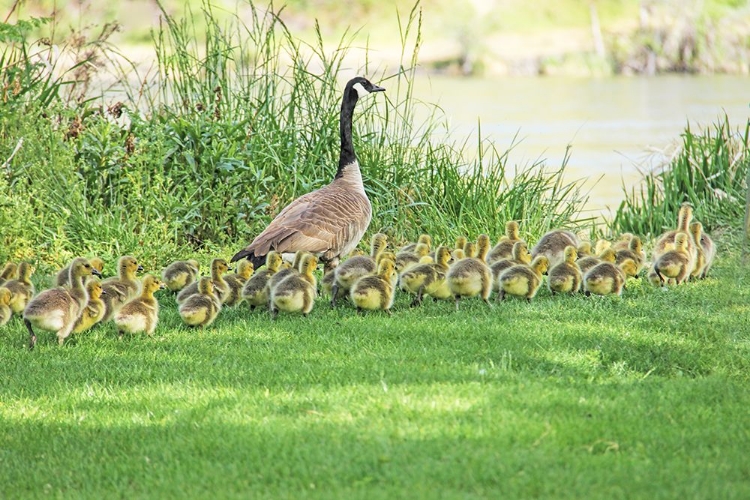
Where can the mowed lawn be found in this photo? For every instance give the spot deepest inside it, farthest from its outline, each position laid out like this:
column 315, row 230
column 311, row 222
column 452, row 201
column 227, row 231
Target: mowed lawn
column 647, row 396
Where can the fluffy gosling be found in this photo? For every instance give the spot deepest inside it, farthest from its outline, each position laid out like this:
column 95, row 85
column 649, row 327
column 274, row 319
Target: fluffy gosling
column 426, row 277
column 121, row 289
column 201, row 309
column 520, row 255
column 471, row 276
column 375, row 291
column 10, row 272
column 565, row 277
column 61, row 279
column 606, row 255
column 633, row 251
column 296, row 292
column 352, row 269
column 236, row 281
column 21, row 289
column 180, row 274
column 675, row 265
column 5, row 312
column 552, row 245
column 255, row 291
column 57, row 309
column 607, row 278
column 706, row 245
column 94, row 310
column 221, row 288
column 504, row 247
column 523, row 280
column 142, row 313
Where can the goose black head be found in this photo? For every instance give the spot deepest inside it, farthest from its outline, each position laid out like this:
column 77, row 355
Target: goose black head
column 359, row 87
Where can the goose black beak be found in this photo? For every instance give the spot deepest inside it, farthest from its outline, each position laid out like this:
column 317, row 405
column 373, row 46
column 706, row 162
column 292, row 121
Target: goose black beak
column 96, row 272
column 375, row 88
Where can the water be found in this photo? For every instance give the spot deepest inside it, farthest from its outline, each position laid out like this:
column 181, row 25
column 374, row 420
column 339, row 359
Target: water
column 615, row 126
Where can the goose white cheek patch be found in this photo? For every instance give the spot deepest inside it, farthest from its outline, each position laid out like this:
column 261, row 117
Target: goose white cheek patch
column 361, row 92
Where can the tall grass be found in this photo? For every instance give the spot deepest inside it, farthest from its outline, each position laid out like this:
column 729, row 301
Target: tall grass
column 204, row 153
column 709, row 170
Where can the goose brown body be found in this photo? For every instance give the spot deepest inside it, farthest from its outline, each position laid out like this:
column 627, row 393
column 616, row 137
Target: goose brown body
column 552, row 245
column 57, row 309
column 330, row 221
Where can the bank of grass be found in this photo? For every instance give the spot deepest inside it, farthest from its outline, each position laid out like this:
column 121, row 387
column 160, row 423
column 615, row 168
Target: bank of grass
column 643, row 396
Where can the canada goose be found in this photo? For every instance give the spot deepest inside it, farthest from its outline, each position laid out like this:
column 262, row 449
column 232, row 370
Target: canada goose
column 406, row 259
column 21, row 289
column 236, row 281
column 375, row 291
column 504, row 247
column 426, row 277
column 523, row 280
column 61, row 279
column 221, row 288
column 121, row 289
column 424, row 239
column 707, row 246
column 57, row 309
column 10, row 272
column 471, row 276
column 607, row 278
column 330, row 221
column 633, row 251
column 255, row 291
column 675, row 264
column 519, row 255
column 586, row 263
column 201, row 309
column 666, row 240
column 5, row 312
column 349, row 271
column 142, row 313
column 552, row 245
column 296, row 292
column 94, row 310
column 180, row 274
column 566, row 276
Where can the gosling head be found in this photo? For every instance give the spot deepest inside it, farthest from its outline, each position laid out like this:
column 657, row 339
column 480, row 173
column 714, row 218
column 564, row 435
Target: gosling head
column 206, row 286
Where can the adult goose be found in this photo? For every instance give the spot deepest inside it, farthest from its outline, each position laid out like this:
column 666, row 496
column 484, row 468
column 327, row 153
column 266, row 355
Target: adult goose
column 330, row 221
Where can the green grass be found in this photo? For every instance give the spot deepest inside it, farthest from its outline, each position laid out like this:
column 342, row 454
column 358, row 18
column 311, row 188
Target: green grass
column 640, row 397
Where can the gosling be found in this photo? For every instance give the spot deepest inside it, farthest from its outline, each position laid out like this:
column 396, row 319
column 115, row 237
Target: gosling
column 606, row 255
column 375, row 291
column 296, row 292
column 142, row 313
column 121, row 289
column 704, row 242
column 523, row 280
column 21, row 289
column 180, row 274
column 255, row 291
column 221, row 288
column 607, row 278
column 201, row 309
column 504, row 247
column 61, row 279
column 352, row 269
column 520, row 255
column 471, row 276
column 10, row 272
column 57, row 309
column 427, row 277
column 94, row 310
column 236, row 281
column 566, row 276
column 675, row 265
column 5, row 312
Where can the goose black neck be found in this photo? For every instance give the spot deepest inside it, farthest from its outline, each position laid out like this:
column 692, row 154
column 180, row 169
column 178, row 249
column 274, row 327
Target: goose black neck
column 347, row 155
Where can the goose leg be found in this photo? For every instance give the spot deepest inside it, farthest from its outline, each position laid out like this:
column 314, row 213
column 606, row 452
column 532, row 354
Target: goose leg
column 32, row 335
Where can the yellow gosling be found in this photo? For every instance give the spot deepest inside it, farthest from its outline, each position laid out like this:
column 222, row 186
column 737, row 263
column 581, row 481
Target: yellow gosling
column 142, row 313
column 255, row 291
column 552, row 245
column 5, row 312
column 221, row 289
column 236, row 281
column 121, row 289
column 601, row 245
column 623, row 242
column 707, row 247
column 352, row 269
column 471, row 276
column 565, row 277
column 282, row 274
column 21, row 289
column 10, row 272
column 586, row 263
column 633, row 251
column 523, row 280
column 585, row 249
column 458, row 251
column 675, row 264
column 520, row 255
column 607, row 278
column 296, row 292
column 665, row 242
column 201, row 309
column 419, row 279
column 61, row 279
column 405, row 260
column 504, row 247
column 180, row 274
column 424, row 239
column 94, row 310
column 375, row 291
column 57, row 309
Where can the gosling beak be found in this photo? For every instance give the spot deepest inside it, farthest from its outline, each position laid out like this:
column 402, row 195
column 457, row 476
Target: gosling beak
column 104, row 292
column 96, row 272
column 140, row 268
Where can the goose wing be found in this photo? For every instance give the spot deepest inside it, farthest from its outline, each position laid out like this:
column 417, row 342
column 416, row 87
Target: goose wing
column 326, row 222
